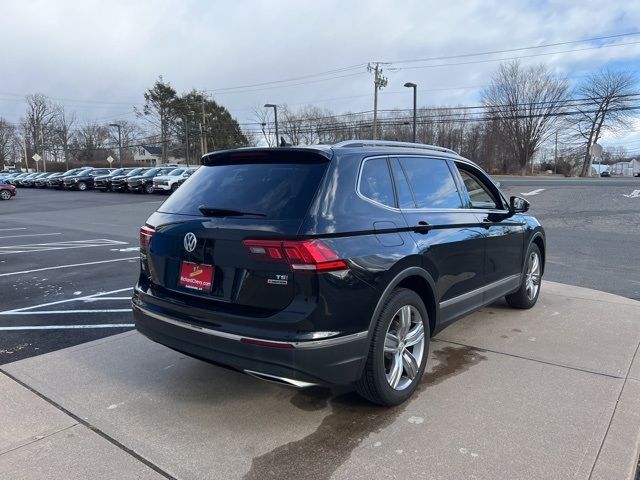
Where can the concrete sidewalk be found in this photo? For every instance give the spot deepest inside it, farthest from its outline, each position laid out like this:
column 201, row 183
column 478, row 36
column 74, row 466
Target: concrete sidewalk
column 550, row 393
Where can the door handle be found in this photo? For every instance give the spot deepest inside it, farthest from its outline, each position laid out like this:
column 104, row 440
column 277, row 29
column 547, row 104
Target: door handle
column 422, row 227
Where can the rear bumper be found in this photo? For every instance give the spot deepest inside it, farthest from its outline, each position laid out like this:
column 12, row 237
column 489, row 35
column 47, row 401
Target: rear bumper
column 332, row 361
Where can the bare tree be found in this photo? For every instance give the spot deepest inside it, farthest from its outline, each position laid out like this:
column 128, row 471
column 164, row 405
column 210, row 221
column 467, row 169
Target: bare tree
column 8, row 142
column 264, row 119
column 62, row 131
column 39, row 120
column 608, row 106
column 89, row 143
column 525, row 101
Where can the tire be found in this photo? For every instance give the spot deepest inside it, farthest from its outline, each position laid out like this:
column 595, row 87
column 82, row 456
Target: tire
column 104, row 189
column 82, row 186
column 376, row 382
column 529, row 291
column 174, row 187
column 148, row 188
column 5, row 194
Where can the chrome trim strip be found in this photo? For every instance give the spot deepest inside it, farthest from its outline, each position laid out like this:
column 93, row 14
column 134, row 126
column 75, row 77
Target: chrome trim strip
column 279, row 380
column 328, row 342
column 477, row 291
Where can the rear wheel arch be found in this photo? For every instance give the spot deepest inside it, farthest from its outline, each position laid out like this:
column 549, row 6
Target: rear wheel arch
column 421, row 282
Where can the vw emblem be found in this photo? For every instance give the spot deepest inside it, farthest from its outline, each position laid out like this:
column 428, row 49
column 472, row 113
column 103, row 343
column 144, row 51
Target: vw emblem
column 190, row 242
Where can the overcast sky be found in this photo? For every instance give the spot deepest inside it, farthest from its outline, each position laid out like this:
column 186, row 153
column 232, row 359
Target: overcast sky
column 97, row 58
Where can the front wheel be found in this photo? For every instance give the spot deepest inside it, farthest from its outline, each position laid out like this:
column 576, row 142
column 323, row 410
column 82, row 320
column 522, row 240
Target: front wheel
column 398, row 351
column 82, row 186
column 527, row 295
column 148, row 188
column 5, row 194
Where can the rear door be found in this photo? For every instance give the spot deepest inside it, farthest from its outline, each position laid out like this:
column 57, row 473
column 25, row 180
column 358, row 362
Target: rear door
column 447, row 234
column 241, row 197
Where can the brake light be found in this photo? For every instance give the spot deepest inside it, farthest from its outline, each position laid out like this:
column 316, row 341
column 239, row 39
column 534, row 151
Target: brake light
column 145, row 236
column 313, row 255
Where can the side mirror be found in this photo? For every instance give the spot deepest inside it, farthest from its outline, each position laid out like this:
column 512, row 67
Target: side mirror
column 518, row 205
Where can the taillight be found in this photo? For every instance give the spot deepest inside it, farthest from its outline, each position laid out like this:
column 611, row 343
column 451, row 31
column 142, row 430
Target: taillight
column 311, row 255
column 145, row 237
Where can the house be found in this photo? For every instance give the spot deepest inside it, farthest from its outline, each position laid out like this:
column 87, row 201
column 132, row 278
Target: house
column 148, row 155
column 628, row 169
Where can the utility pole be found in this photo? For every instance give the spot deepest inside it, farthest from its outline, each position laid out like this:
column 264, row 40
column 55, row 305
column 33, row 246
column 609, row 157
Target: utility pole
column 186, row 137
column 203, row 130
column 24, row 146
column 378, row 83
column 555, row 155
column 117, row 125
column 44, row 159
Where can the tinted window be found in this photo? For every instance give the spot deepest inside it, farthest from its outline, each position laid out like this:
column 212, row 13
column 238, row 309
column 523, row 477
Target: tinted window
column 431, row 182
column 405, row 197
column 175, row 172
column 375, row 181
column 135, row 171
column 478, row 193
column 277, row 190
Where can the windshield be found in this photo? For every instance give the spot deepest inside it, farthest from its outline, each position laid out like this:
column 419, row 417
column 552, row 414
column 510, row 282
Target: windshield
column 117, row 172
column 135, row 171
column 176, row 172
column 151, row 173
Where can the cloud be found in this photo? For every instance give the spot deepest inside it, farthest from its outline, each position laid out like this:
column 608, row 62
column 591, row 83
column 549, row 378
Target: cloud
column 94, row 51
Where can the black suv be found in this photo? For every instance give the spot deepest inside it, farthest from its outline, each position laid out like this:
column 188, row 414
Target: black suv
column 84, row 179
column 103, row 182
column 119, row 182
column 331, row 265
column 144, row 181
column 57, row 182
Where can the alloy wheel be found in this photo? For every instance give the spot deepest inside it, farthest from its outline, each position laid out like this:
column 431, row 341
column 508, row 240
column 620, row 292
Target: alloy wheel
column 404, row 347
column 5, row 194
column 532, row 277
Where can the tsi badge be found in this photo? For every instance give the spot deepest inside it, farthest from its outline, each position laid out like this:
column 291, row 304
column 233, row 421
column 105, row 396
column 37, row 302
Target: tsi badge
column 278, row 280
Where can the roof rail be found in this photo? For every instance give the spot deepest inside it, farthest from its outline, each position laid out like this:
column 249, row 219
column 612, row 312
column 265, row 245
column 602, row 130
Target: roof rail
column 389, row 143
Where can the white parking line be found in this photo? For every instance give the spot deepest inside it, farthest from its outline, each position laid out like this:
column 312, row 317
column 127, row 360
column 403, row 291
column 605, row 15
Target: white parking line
column 99, row 294
column 532, row 192
column 32, row 235
column 51, row 312
column 67, row 266
column 44, row 247
column 634, row 194
column 57, row 327
column 100, row 299
column 8, row 229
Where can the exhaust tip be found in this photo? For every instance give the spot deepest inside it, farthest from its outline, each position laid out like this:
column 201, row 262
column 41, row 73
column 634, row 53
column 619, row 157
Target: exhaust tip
column 289, row 382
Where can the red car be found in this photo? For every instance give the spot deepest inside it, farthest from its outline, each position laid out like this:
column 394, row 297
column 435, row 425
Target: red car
column 7, row 191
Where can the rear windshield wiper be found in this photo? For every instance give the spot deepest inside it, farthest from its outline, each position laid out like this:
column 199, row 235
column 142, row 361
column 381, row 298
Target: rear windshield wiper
column 226, row 212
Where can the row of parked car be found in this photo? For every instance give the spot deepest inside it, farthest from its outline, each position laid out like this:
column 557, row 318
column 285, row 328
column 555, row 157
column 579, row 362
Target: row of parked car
column 144, row 180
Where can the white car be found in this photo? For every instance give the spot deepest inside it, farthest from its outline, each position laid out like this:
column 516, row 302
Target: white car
column 171, row 181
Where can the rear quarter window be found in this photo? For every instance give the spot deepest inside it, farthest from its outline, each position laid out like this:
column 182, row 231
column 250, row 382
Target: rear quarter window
column 375, row 181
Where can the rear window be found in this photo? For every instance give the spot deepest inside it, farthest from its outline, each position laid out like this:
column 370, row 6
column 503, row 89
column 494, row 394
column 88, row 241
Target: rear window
column 277, row 190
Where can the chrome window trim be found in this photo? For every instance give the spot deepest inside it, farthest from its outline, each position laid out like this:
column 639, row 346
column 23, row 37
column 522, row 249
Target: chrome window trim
column 484, row 288
column 328, row 342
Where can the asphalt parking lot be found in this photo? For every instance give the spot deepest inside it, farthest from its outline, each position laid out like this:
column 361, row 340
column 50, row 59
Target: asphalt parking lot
column 68, row 259
column 547, row 393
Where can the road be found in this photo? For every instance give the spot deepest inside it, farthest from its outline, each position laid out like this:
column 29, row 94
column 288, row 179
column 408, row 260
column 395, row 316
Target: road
column 70, row 258
column 593, row 229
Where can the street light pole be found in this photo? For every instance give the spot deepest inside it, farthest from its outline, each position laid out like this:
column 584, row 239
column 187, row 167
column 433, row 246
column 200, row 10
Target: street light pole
column 415, row 105
column 117, row 125
column 275, row 118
